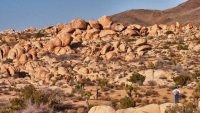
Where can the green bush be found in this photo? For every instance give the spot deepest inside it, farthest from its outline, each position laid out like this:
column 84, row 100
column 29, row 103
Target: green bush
column 114, row 103
column 181, row 47
column 172, row 54
column 136, row 77
column 39, row 35
column 165, row 47
column 181, row 79
column 17, row 104
column 169, row 32
column 151, row 37
column 129, row 40
column 187, row 108
column 127, row 102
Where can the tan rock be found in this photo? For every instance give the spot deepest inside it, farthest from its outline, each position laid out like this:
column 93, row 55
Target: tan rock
column 123, row 47
column 141, row 41
column 153, row 33
column 116, row 44
column 83, row 70
column 49, row 46
column 78, row 24
column 57, row 42
column 155, row 27
column 23, row 59
column 102, row 109
column 144, row 47
column 189, row 26
column 37, row 44
column 144, row 30
column 118, row 27
column 60, row 26
column 65, row 39
column 130, row 57
column 152, row 108
column 62, row 71
column 110, row 55
column 67, row 29
column 106, row 32
column 106, row 22
column 130, row 32
column 94, row 24
column 105, row 49
column 8, row 38
column 178, row 25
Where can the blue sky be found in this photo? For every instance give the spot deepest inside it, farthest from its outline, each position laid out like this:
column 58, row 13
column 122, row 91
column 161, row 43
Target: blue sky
column 22, row 14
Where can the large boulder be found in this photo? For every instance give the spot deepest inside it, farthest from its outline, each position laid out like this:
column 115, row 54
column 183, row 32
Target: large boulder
column 60, row 26
column 78, row 24
column 102, row 109
column 144, row 47
column 8, row 38
column 130, row 57
column 105, row 49
column 67, row 29
column 141, row 41
column 106, row 22
column 63, row 39
column 62, row 71
column 94, row 24
column 106, row 32
column 130, row 32
column 152, row 108
column 118, row 27
column 23, row 59
column 49, row 46
column 110, row 55
column 83, row 70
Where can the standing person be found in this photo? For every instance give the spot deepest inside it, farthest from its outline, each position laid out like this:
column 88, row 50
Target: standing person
column 176, row 92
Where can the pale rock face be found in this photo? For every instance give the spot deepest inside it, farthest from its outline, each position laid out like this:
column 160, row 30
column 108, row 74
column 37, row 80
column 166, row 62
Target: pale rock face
column 78, row 24
column 178, row 25
column 60, row 27
column 138, row 26
column 152, row 108
column 173, row 27
column 155, row 27
column 144, row 47
column 8, row 38
column 130, row 57
column 102, row 109
column 49, row 46
column 105, row 49
column 110, row 54
column 130, row 32
column 94, row 24
column 62, row 71
column 83, row 70
column 4, row 50
column 189, row 26
column 123, row 47
column 67, row 29
column 118, row 27
column 37, row 44
column 57, row 42
column 23, row 59
column 144, row 30
column 132, row 27
column 65, row 39
column 106, row 32
column 106, row 22
column 153, row 33
column 197, row 48
column 140, row 42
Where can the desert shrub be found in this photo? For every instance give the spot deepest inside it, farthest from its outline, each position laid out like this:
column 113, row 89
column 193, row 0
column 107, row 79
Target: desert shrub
column 196, row 73
column 39, row 35
column 181, row 79
column 169, row 32
column 8, row 60
column 187, row 108
column 151, row 92
column 165, row 47
column 17, row 104
column 92, row 105
column 145, row 102
column 99, row 58
column 98, row 45
column 152, row 83
column 182, row 47
column 103, row 43
column 127, row 102
column 198, row 42
column 151, row 37
column 114, row 103
column 165, row 58
column 129, row 40
column 136, row 77
column 172, row 54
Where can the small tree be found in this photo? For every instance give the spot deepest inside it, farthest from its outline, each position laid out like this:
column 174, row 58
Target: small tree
column 130, row 88
column 127, row 102
column 87, row 94
column 136, row 77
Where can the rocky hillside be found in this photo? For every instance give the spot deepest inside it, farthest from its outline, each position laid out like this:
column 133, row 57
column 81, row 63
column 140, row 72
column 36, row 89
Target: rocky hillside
column 99, row 63
column 184, row 13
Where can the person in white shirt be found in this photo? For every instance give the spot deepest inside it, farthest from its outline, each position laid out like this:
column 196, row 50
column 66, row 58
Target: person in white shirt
column 176, row 92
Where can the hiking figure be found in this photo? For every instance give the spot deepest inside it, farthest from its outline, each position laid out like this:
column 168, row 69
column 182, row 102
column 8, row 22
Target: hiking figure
column 176, row 92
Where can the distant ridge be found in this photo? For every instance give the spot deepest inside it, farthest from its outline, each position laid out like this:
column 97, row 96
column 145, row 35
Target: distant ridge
column 187, row 12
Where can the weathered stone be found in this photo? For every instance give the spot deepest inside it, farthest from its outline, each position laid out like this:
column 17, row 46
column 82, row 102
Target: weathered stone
column 94, row 24
column 118, row 27
column 140, row 42
column 78, row 24
column 106, row 22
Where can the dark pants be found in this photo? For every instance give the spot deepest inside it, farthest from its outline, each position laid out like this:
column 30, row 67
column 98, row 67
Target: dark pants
column 176, row 98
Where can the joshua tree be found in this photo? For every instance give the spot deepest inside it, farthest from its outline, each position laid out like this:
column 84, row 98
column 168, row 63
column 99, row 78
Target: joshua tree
column 81, row 83
column 87, row 94
column 130, row 88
